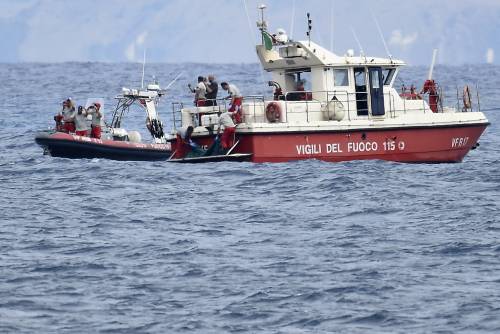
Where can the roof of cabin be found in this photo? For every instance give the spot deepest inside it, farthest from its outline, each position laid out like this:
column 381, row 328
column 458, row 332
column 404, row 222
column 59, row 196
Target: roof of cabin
column 297, row 54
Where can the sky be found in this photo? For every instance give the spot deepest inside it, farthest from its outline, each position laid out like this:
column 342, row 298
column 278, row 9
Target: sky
column 223, row 31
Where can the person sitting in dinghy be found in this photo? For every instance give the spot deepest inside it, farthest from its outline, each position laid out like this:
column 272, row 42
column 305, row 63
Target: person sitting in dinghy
column 97, row 115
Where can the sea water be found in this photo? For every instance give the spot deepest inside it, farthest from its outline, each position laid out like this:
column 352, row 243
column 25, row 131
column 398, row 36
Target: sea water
column 302, row 247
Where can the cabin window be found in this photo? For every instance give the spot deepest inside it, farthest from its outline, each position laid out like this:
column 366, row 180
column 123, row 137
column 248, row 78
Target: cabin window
column 375, row 81
column 298, row 84
column 387, row 74
column 340, row 77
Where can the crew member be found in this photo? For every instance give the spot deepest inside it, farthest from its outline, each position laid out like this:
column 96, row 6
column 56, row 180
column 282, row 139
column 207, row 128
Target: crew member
column 68, row 115
column 227, row 138
column 95, row 111
column 212, row 89
column 236, row 99
column 184, row 141
column 431, row 89
column 200, row 92
column 302, row 94
column 80, row 119
column 413, row 93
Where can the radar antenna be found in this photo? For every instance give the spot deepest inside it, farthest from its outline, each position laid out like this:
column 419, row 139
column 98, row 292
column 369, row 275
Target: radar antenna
column 309, row 27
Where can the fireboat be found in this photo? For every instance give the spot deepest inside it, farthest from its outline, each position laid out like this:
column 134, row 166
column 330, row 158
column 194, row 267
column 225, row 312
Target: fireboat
column 349, row 109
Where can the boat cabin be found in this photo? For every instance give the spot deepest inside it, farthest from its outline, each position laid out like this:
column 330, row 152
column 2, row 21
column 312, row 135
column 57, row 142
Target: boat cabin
column 362, row 86
column 312, row 84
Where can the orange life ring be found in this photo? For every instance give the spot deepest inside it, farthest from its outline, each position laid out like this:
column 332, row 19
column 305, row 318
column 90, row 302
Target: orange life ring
column 273, row 112
column 467, row 98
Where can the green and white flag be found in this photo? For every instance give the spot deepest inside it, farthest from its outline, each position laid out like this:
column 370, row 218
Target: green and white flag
column 268, row 40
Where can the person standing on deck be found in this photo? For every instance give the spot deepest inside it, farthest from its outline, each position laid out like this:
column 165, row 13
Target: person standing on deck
column 227, row 138
column 431, row 89
column 95, row 111
column 199, row 92
column 68, row 115
column 236, row 99
column 212, row 89
column 80, row 119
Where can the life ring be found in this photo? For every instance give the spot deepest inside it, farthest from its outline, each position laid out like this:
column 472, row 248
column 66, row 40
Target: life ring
column 273, row 112
column 467, row 98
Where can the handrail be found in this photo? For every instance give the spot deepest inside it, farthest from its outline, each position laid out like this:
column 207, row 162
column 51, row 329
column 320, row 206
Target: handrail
column 351, row 101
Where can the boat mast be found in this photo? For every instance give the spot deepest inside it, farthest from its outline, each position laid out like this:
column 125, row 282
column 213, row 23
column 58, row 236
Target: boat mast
column 309, row 27
column 143, row 66
column 262, row 24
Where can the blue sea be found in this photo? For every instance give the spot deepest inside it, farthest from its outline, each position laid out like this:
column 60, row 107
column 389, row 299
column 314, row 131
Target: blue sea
column 99, row 246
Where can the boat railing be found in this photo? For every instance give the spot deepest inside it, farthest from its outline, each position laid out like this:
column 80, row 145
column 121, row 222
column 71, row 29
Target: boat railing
column 214, row 106
column 176, row 109
column 463, row 100
column 322, row 105
column 318, row 106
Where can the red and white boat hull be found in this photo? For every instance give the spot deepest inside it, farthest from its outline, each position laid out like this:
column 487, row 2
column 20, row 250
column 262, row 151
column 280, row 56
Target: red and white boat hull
column 405, row 144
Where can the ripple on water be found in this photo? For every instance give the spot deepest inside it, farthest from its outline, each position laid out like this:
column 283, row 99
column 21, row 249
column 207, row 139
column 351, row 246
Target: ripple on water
column 300, row 247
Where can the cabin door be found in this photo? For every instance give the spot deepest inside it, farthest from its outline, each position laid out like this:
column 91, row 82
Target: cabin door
column 376, row 91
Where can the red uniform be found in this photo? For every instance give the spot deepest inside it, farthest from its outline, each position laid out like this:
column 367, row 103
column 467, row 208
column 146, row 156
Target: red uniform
column 69, row 127
column 430, row 87
column 95, row 132
column 227, row 138
column 83, row 133
column 236, row 109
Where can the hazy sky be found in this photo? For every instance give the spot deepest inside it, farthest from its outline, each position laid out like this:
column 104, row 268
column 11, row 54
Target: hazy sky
column 219, row 31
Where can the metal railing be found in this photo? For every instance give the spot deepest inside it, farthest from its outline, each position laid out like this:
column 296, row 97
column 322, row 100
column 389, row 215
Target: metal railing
column 355, row 104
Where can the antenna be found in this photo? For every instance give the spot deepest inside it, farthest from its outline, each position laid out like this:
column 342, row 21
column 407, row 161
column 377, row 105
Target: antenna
column 293, row 19
column 143, row 66
column 331, row 25
column 359, row 43
column 382, row 36
column 309, row 27
column 262, row 24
